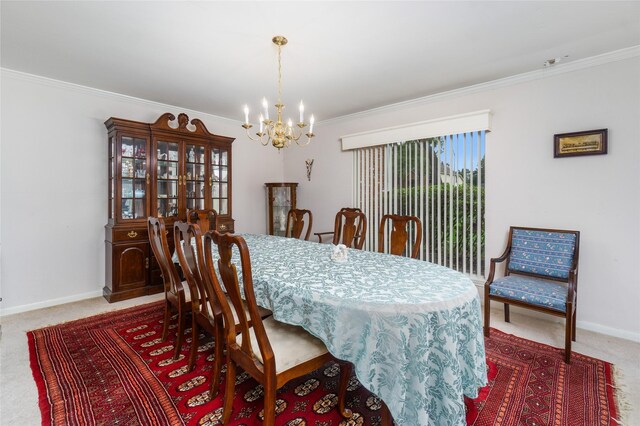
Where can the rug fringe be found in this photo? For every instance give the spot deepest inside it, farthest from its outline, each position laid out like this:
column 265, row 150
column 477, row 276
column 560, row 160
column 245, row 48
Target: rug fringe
column 624, row 406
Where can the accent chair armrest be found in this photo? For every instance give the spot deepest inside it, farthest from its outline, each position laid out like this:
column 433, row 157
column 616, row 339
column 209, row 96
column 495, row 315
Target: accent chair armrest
column 494, row 260
column 320, row 234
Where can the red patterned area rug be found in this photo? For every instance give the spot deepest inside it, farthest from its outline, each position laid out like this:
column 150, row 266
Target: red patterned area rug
column 114, row 369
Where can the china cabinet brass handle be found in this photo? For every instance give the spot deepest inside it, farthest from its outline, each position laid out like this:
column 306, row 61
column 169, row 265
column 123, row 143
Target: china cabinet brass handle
column 210, row 180
column 132, row 234
column 146, row 263
column 223, row 227
column 148, row 178
column 179, row 180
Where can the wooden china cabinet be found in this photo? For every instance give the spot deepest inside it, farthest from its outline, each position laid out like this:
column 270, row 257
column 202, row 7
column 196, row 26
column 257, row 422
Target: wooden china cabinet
column 159, row 169
column 281, row 197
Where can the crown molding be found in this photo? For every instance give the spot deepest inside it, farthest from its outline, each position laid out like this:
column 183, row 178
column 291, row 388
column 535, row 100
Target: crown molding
column 65, row 85
column 580, row 64
column 562, row 68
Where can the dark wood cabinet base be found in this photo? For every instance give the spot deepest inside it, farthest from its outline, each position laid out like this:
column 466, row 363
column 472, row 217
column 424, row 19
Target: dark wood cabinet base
column 129, row 294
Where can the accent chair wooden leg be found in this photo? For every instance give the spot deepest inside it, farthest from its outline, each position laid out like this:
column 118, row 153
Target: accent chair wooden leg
column 567, row 337
column 487, row 314
column 573, row 325
column 345, row 374
column 180, row 332
column 167, row 316
column 194, row 342
column 229, row 391
column 507, row 317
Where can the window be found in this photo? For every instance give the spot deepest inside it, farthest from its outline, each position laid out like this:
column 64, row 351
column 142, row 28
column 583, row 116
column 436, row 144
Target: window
column 438, row 179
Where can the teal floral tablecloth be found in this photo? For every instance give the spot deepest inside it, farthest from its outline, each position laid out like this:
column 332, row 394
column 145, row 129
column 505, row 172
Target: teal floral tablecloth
column 412, row 329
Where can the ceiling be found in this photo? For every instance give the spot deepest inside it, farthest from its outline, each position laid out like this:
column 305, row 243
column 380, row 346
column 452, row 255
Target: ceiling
column 342, row 57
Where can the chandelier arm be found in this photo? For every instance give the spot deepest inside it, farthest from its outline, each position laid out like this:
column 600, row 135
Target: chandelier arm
column 259, row 138
column 303, row 143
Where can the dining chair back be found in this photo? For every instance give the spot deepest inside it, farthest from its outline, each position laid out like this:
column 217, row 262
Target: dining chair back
column 206, row 219
column 399, row 235
column 188, row 241
column 270, row 351
column 295, row 223
column 541, row 273
column 350, row 228
column 177, row 294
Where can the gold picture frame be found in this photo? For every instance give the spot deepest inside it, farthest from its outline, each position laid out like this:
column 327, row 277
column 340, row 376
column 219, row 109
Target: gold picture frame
column 590, row 142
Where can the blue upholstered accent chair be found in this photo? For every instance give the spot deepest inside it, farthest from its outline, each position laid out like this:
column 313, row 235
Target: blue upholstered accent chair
column 541, row 273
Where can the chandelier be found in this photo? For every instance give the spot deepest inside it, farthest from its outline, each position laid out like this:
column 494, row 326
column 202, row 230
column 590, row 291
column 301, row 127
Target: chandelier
column 278, row 133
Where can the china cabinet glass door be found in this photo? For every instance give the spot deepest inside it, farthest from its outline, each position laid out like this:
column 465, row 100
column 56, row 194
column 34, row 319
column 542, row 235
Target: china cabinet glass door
column 195, row 176
column 167, row 179
column 219, row 180
column 134, row 178
column 112, row 177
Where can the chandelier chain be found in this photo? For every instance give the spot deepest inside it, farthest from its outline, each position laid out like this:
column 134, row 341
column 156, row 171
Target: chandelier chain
column 279, row 74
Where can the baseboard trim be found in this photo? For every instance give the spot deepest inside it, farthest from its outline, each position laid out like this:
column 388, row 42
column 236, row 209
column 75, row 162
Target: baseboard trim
column 583, row 325
column 49, row 303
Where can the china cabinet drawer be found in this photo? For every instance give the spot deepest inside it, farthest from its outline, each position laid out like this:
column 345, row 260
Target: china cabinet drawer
column 138, row 234
column 225, row 225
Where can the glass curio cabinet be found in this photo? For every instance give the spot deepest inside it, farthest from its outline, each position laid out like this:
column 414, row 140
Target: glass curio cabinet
column 281, row 197
column 159, row 169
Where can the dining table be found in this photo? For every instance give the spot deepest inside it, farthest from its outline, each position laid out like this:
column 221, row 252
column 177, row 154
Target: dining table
column 411, row 328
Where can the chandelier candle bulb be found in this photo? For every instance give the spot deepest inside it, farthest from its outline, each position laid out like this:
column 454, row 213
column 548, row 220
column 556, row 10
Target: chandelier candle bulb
column 265, row 105
column 311, row 121
column 246, row 114
column 261, row 123
column 301, row 113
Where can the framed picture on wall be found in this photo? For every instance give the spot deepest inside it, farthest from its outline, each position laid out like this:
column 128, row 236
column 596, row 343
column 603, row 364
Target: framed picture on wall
column 590, row 142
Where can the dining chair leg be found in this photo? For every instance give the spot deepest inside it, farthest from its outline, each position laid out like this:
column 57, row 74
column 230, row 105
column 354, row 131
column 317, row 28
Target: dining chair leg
column 180, row 332
column 269, row 402
column 165, row 323
column 229, row 391
column 507, row 317
column 346, row 368
column 194, row 342
column 387, row 420
column 217, row 362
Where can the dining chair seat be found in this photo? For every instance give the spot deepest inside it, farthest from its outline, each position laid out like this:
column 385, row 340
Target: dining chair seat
column 262, row 311
column 187, row 291
column 292, row 345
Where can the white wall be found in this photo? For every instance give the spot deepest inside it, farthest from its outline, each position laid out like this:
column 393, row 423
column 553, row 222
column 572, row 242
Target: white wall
column 54, row 185
column 525, row 185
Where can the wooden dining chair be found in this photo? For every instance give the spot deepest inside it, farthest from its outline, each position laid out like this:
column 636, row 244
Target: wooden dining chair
column 541, row 273
column 295, row 223
column 177, row 293
column 206, row 219
column 322, row 235
column 272, row 352
column 188, row 241
column 399, row 235
column 350, row 228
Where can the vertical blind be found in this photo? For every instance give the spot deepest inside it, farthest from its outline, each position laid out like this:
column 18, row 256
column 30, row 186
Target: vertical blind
column 441, row 181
